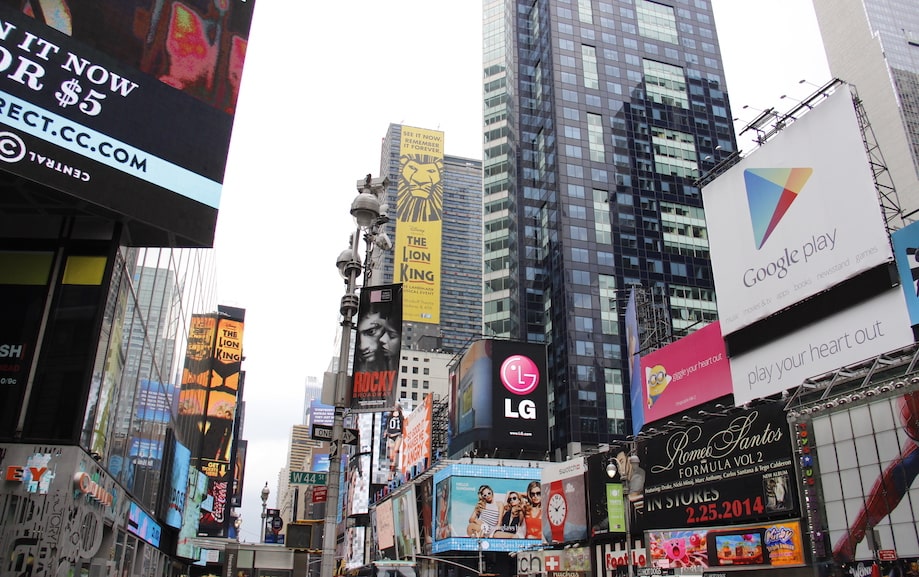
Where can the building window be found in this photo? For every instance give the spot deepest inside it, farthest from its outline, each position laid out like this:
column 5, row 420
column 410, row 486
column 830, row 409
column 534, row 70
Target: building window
column 589, row 59
column 595, row 137
column 656, row 21
column 665, row 84
column 674, row 153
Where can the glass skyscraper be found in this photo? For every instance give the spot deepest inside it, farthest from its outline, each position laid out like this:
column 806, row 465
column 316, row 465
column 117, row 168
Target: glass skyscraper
column 874, row 45
column 599, row 116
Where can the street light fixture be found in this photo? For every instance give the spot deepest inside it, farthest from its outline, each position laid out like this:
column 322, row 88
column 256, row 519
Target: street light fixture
column 265, row 493
column 633, row 482
column 367, row 213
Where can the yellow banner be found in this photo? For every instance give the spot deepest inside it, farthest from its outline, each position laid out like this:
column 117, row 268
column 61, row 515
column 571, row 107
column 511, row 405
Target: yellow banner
column 418, row 223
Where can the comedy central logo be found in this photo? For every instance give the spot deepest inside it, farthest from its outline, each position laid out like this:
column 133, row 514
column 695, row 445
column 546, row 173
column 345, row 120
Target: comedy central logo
column 12, row 148
column 770, row 193
column 519, row 375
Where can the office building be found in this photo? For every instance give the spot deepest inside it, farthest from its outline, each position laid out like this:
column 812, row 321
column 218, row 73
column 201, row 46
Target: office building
column 874, row 45
column 598, row 117
column 108, row 291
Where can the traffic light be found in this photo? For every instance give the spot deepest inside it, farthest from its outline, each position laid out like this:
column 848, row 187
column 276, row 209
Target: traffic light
column 301, row 534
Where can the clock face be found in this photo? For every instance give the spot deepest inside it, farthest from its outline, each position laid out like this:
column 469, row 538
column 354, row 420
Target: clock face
column 557, row 509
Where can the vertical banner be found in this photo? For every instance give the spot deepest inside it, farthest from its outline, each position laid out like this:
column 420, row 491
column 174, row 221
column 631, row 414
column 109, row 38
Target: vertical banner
column 419, row 222
column 195, row 376
column 207, row 408
column 416, row 445
column 377, row 348
column 636, row 388
column 906, row 252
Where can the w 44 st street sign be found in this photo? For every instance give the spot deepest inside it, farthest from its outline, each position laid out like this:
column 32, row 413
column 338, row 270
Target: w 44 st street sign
column 307, row 478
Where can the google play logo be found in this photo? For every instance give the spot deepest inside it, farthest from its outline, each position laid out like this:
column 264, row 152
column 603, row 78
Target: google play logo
column 770, row 192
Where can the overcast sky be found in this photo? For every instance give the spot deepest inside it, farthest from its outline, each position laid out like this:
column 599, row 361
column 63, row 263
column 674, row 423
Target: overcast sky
column 322, row 83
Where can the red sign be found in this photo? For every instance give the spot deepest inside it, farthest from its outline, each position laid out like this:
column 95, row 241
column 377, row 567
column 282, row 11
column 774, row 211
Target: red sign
column 319, row 493
column 887, row 554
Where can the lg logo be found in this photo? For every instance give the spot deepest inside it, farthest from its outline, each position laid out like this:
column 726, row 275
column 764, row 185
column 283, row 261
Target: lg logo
column 520, row 376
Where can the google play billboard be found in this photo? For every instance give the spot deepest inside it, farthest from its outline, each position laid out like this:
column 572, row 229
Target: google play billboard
column 796, row 217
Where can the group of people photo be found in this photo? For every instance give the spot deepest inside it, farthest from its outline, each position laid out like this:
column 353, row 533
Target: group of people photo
column 515, row 515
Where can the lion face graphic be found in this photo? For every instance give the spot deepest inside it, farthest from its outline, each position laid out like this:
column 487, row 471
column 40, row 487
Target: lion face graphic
column 421, row 188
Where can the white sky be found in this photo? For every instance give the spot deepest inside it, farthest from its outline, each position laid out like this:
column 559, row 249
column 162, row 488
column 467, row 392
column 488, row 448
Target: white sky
column 322, row 83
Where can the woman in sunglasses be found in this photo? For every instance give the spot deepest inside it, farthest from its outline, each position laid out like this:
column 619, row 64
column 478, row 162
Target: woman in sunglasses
column 512, row 517
column 485, row 516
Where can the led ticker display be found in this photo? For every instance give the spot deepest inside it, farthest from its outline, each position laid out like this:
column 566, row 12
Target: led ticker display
column 749, row 546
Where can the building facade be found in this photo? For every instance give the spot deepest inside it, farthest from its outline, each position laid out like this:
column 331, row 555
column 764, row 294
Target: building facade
column 598, row 118
column 105, row 264
column 874, row 45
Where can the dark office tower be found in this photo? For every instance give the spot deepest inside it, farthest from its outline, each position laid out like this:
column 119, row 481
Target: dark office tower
column 598, row 117
column 437, row 238
column 874, row 45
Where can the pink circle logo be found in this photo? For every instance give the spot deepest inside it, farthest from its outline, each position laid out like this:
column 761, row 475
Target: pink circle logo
column 519, row 374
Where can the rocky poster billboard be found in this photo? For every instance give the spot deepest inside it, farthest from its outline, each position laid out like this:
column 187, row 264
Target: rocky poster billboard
column 377, row 348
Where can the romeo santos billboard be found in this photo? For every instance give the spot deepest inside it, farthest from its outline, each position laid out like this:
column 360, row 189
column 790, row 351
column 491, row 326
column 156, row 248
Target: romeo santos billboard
column 419, row 223
column 125, row 104
column 730, row 470
column 501, row 391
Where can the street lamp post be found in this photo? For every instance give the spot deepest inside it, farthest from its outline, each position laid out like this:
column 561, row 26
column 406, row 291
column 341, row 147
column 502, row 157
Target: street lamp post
column 265, row 493
column 633, row 481
column 366, row 210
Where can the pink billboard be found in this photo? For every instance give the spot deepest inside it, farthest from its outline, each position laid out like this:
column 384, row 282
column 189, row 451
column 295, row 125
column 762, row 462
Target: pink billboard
column 684, row 374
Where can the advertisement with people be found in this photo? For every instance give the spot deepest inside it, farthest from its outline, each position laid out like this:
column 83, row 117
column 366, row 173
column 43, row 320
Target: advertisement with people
column 732, row 469
column 489, row 507
column 377, row 348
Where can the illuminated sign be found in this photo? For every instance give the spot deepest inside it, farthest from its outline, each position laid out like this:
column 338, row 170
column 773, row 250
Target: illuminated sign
column 85, row 484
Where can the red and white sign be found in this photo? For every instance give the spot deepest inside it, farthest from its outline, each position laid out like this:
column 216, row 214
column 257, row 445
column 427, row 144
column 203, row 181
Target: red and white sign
column 320, row 492
column 887, row 554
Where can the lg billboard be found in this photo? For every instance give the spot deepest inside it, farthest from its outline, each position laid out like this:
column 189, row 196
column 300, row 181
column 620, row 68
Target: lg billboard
column 796, row 217
column 500, row 391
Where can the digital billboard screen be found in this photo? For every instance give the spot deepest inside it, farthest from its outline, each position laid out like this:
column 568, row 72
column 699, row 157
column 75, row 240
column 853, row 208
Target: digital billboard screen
column 125, row 104
column 691, row 371
column 501, row 390
column 758, row 546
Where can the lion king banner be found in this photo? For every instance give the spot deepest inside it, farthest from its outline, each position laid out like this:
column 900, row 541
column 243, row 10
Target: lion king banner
column 419, row 223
